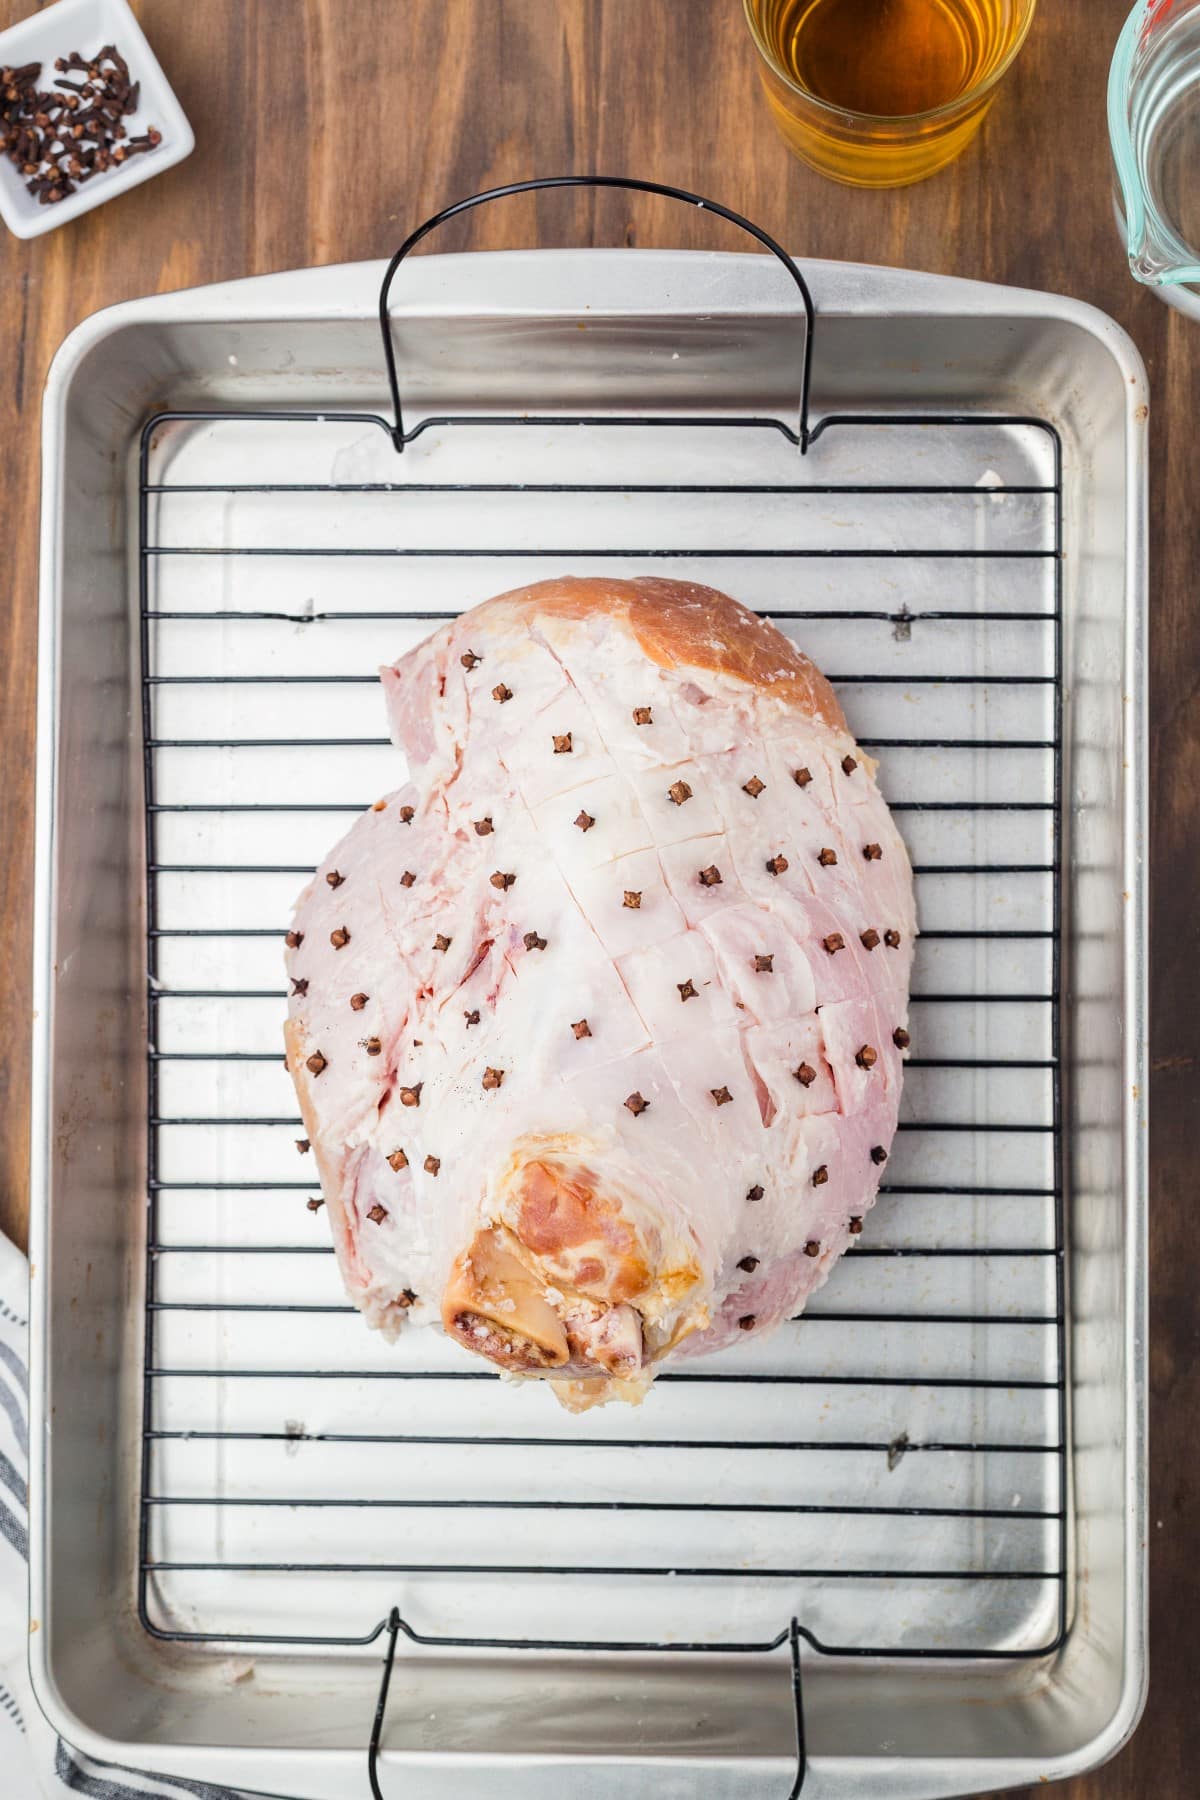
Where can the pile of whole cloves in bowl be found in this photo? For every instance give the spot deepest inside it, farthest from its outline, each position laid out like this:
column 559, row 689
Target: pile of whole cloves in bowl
column 61, row 136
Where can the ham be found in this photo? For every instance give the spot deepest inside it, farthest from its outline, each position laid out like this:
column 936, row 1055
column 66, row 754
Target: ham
column 598, row 1024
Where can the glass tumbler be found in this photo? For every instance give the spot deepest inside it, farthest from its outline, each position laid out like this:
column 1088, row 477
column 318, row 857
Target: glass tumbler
column 880, row 93
column 1154, row 128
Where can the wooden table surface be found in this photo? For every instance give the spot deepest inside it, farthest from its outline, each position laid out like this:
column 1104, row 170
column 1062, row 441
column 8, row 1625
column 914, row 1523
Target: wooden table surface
column 324, row 130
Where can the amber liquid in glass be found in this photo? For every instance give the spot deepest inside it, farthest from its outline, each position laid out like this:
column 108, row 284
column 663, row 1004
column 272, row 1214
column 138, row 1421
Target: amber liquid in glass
column 886, row 61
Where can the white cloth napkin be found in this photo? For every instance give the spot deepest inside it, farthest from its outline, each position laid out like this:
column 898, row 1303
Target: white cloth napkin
column 35, row 1763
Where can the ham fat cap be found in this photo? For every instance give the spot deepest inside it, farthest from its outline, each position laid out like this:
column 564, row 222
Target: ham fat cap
column 629, row 958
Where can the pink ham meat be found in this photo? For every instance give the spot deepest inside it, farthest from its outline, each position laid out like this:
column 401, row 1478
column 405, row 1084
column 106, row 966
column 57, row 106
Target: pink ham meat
column 598, row 1025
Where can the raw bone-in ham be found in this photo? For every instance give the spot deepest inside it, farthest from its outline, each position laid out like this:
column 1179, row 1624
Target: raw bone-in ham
column 598, row 1024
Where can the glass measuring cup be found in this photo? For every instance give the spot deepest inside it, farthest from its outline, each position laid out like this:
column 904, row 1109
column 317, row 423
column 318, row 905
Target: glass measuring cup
column 1154, row 128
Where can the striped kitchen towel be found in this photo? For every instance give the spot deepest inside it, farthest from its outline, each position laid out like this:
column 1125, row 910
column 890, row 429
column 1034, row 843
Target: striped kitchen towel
column 35, row 1763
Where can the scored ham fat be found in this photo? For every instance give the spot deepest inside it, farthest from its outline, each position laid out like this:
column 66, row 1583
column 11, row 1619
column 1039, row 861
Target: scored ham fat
column 598, row 1024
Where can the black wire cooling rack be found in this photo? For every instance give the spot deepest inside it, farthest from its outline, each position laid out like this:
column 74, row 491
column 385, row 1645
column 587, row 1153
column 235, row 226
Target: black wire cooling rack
column 200, row 638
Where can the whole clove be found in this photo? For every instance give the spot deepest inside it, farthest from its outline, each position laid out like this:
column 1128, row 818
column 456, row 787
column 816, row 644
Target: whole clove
column 60, row 137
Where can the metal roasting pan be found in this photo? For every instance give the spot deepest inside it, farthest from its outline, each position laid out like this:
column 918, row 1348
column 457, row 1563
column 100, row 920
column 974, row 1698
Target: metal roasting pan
column 912, row 1523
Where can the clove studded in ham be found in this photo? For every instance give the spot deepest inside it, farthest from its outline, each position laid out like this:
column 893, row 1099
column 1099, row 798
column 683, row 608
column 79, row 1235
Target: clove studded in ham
column 598, row 1024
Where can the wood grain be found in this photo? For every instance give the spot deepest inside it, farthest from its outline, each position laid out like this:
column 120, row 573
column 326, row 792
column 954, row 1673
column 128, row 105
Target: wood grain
column 324, row 130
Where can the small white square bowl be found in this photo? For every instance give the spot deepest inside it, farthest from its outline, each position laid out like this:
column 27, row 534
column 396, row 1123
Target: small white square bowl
column 86, row 25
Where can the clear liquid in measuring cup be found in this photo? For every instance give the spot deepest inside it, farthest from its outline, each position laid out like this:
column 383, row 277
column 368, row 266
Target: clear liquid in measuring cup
column 1154, row 106
column 1166, row 127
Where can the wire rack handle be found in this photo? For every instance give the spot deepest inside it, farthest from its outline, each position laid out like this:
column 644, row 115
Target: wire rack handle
column 400, row 437
column 393, row 1625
